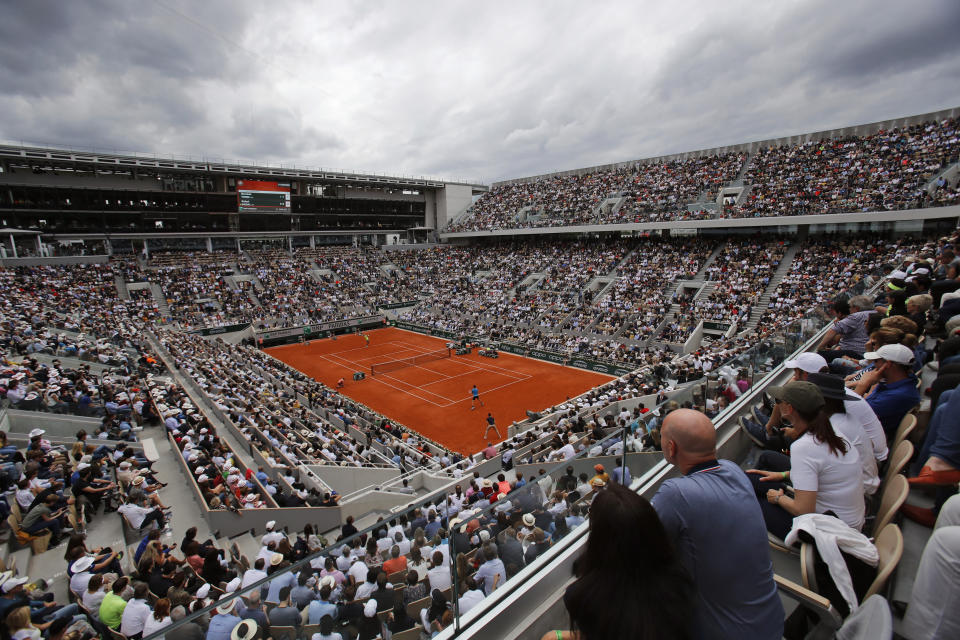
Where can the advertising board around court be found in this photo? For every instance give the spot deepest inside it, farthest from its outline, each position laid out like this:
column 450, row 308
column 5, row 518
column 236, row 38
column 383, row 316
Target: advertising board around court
column 398, row 305
column 215, row 331
column 319, row 330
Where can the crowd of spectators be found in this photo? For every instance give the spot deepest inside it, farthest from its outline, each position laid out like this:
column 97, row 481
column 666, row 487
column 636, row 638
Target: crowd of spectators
column 283, row 413
column 647, row 191
column 821, row 268
column 883, row 171
column 887, row 170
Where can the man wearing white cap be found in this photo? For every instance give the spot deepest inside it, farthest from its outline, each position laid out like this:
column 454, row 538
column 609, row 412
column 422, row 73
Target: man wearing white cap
column 40, row 610
column 271, row 535
column 890, row 388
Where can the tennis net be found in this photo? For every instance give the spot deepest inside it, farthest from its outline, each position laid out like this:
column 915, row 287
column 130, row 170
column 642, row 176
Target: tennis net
column 402, row 363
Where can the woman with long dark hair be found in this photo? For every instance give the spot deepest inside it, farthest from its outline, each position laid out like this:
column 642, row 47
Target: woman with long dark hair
column 630, row 583
column 823, row 467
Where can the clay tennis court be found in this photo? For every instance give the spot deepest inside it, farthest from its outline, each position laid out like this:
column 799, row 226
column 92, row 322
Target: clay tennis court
column 434, row 397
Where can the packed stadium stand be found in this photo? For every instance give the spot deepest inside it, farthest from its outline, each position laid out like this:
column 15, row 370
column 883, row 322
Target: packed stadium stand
column 166, row 476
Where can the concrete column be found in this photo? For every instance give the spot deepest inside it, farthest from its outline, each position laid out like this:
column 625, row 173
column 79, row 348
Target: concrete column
column 146, row 249
column 13, row 246
column 209, row 245
column 108, row 246
column 39, row 246
column 313, row 242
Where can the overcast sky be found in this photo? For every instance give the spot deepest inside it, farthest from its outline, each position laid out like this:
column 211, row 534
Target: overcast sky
column 478, row 90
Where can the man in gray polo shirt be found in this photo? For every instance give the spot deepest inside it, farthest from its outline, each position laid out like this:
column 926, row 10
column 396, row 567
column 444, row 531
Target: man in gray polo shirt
column 719, row 534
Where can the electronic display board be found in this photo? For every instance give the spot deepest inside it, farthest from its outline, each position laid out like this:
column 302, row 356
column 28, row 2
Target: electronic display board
column 258, row 196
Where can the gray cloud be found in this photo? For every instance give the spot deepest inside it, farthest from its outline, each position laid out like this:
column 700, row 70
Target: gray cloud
column 453, row 89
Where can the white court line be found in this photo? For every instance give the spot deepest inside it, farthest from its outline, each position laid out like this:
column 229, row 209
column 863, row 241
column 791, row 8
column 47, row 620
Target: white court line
column 445, row 378
column 448, row 377
column 497, row 370
column 377, row 379
column 419, row 349
column 333, row 357
column 470, row 373
column 489, row 366
column 380, row 355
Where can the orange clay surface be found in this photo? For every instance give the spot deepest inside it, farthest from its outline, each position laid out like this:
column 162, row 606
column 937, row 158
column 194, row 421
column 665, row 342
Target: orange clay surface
column 434, row 397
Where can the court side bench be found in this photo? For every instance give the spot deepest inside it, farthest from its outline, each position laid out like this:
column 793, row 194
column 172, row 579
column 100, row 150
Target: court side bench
column 150, row 450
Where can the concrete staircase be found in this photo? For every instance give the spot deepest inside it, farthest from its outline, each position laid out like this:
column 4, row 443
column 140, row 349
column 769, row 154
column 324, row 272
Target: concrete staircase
column 609, row 205
column 746, row 165
column 701, row 274
column 698, row 281
column 121, row 286
column 949, row 173
column 161, row 299
column 778, row 276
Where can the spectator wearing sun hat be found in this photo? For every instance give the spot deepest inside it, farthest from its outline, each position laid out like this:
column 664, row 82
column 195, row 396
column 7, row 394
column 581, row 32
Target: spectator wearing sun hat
column 280, row 579
column 222, row 624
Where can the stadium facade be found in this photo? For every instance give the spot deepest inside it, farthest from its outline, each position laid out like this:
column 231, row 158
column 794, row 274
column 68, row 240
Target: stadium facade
column 59, row 206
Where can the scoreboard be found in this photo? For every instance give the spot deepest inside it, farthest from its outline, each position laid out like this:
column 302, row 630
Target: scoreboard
column 258, row 196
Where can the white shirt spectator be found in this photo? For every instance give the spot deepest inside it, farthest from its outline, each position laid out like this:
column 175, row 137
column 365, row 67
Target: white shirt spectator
column 134, row 615
column 135, row 514
column 439, row 577
column 470, row 599
column 251, row 576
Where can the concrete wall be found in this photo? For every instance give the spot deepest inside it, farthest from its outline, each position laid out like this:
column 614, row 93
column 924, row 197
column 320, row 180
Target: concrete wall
column 411, row 247
column 379, row 194
column 374, row 501
column 729, row 223
column 14, row 421
column 33, row 262
column 451, row 200
column 350, row 479
column 430, row 209
column 87, row 180
column 638, row 463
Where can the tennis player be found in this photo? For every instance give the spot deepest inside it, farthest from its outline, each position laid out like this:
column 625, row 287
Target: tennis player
column 366, row 339
column 475, row 397
column 491, row 424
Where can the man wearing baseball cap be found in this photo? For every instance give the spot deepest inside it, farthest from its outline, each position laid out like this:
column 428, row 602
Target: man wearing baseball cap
column 890, row 388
